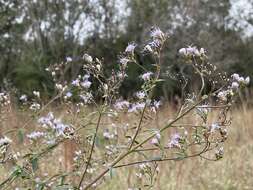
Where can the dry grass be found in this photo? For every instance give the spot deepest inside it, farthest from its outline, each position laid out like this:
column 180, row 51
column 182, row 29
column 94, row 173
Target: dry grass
column 233, row 172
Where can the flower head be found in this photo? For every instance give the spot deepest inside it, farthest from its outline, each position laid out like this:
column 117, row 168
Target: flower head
column 130, row 47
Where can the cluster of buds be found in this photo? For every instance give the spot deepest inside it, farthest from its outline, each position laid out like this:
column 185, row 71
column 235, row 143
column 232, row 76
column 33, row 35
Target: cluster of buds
column 4, row 99
column 236, row 83
column 192, row 52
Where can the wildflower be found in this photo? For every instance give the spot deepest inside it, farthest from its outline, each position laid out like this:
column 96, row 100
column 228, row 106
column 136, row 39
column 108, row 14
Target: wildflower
column 119, row 105
column 121, row 75
column 157, row 104
column 86, row 84
column 87, row 58
column 23, row 98
column 5, row 141
column 130, row 47
column 35, row 135
column 146, row 76
column 214, row 127
column 247, row 81
column 69, row 59
column 136, row 107
column 59, row 86
column 141, row 95
column 4, row 98
column 148, row 48
column 156, row 33
column 35, row 106
column 222, row 95
column 76, row 82
column 98, row 67
column 86, row 77
column 68, row 95
column 36, row 93
column 192, row 51
column 174, row 142
column 124, row 61
column 156, row 139
column 182, row 51
column 155, row 44
column 235, row 77
column 219, row 153
column 86, row 98
column 235, row 85
column 108, row 135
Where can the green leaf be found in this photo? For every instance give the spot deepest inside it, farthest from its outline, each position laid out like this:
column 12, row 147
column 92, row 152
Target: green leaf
column 20, row 136
column 34, row 163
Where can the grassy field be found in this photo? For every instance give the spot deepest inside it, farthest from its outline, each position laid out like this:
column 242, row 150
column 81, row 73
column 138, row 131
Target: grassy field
column 232, row 172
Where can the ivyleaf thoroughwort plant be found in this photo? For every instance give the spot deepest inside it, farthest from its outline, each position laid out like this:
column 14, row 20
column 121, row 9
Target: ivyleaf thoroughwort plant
column 93, row 121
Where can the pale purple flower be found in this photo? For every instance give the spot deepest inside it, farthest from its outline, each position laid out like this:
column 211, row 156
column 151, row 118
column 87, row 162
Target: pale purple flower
column 136, row 107
column 157, row 33
column 86, row 84
column 174, row 142
column 124, row 61
column 68, row 95
column 130, row 47
column 141, row 95
column 146, row 76
column 121, row 105
column 76, row 82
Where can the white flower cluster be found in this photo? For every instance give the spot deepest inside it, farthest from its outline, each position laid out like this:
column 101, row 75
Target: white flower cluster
column 23, row 98
column 35, row 106
column 122, row 104
column 4, row 99
column 36, row 94
column 192, row 51
column 35, row 135
column 87, row 58
column 5, row 141
column 239, row 80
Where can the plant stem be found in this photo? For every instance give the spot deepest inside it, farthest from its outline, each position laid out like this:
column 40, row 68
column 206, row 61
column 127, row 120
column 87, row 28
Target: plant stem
column 91, row 151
